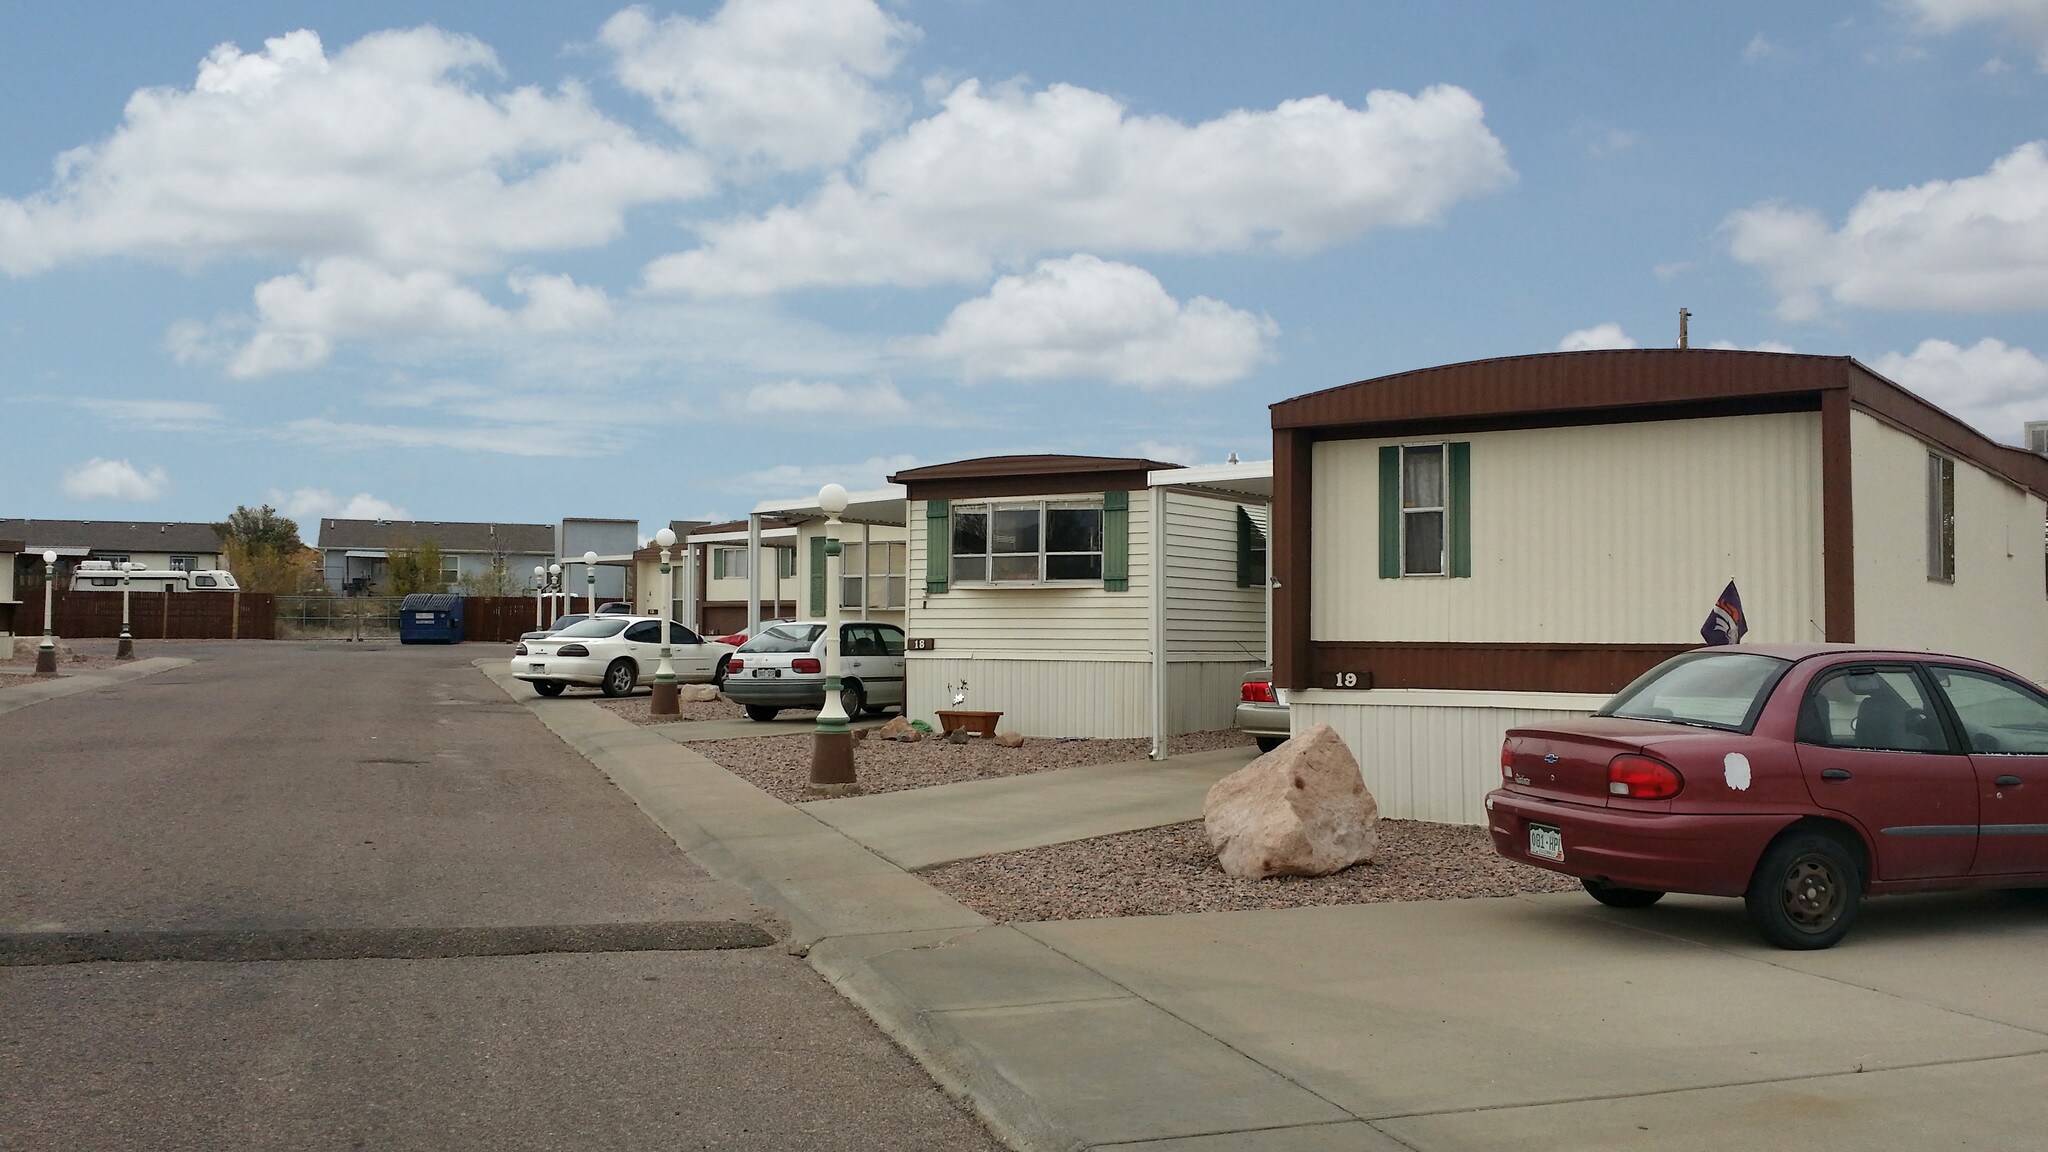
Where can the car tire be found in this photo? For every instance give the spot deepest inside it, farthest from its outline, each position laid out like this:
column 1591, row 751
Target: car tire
column 619, row 677
column 718, row 675
column 1806, row 890
column 1268, row 743
column 853, row 698
column 1615, row 896
column 762, row 712
column 549, row 687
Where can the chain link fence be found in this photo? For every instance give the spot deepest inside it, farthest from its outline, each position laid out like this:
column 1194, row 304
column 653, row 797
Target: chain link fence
column 338, row 617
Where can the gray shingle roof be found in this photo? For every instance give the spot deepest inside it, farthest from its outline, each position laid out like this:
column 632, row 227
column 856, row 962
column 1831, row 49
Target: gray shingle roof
column 452, row 536
column 113, row 535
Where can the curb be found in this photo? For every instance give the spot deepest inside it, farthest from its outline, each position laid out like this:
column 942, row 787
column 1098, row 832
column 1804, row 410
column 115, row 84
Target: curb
column 14, row 697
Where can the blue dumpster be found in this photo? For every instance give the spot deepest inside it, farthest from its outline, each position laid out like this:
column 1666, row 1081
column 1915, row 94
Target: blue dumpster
column 430, row 618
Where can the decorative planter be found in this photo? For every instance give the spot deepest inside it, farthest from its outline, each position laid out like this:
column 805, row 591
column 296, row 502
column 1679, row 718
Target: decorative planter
column 976, row 723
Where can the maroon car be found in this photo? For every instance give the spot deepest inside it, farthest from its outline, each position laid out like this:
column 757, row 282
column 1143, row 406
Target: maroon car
column 1799, row 777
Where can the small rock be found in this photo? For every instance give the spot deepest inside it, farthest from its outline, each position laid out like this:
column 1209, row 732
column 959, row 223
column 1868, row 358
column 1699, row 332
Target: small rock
column 898, row 728
column 1300, row 810
column 1009, row 739
column 697, row 693
column 959, row 736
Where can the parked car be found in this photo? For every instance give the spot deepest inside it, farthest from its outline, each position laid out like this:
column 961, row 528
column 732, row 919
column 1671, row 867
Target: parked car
column 784, row 667
column 743, row 635
column 1798, row 777
column 616, row 608
column 554, row 626
column 614, row 653
column 1262, row 710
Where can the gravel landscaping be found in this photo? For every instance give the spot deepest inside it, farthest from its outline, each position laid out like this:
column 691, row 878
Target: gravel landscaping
column 639, row 710
column 1170, row 870
column 781, row 765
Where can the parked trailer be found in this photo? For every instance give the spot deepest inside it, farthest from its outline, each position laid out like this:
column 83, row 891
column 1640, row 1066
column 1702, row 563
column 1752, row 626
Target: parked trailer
column 104, row 576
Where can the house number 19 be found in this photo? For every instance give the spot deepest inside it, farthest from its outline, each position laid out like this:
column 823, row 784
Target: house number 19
column 1347, row 679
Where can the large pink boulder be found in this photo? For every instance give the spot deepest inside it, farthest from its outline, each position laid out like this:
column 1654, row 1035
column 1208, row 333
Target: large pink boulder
column 1300, row 810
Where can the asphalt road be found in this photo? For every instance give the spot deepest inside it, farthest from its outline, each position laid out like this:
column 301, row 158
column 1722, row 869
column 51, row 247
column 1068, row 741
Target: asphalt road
column 483, row 944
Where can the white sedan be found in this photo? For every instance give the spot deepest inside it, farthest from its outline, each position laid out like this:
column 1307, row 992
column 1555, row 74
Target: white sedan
column 614, row 653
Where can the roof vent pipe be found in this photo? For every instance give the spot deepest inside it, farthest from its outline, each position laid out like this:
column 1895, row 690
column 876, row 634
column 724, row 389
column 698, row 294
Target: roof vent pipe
column 1683, row 316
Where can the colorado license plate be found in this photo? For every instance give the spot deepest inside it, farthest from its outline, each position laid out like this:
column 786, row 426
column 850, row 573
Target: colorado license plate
column 1546, row 842
column 767, row 673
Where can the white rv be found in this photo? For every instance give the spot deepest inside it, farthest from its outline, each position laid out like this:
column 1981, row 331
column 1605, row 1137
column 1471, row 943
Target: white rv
column 105, row 576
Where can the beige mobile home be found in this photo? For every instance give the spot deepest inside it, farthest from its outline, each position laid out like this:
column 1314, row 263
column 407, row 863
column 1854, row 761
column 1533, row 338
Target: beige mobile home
column 874, row 581
column 726, row 567
column 1035, row 582
column 1466, row 548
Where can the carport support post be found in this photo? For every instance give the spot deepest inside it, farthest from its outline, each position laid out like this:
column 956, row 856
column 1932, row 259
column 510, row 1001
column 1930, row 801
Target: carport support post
column 126, row 649
column 665, row 695
column 832, row 746
column 46, row 653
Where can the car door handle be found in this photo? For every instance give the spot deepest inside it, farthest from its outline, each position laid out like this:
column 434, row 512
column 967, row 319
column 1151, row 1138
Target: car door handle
column 2008, row 781
column 1835, row 774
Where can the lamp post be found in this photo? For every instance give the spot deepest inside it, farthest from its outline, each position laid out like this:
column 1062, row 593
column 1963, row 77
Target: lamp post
column 832, row 747
column 46, row 654
column 126, row 649
column 590, row 583
column 555, row 586
column 665, row 695
column 540, row 591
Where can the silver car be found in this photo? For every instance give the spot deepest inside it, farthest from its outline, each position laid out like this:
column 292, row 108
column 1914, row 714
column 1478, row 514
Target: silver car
column 1262, row 709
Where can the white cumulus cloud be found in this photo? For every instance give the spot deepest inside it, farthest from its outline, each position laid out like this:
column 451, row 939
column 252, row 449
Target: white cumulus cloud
column 1994, row 386
column 792, row 81
column 386, row 150
column 319, row 503
column 1082, row 316
column 2025, row 21
column 880, row 401
column 1608, row 335
column 1002, row 176
column 98, row 479
column 1979, row 243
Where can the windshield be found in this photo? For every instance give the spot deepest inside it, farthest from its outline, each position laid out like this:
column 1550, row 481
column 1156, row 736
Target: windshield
column 785, row 638
column 592, row 629
column 1711, row 690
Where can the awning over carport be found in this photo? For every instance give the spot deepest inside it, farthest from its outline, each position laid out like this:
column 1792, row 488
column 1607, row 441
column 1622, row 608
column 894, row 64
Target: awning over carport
column 1245, row 483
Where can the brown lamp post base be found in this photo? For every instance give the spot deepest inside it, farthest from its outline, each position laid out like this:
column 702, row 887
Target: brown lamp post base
column 126, row 649
column 46, row 661
column 832, row 764
column 667, row 699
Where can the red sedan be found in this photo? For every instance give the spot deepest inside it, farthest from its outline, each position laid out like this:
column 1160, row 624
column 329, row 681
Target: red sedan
column 1798, row 777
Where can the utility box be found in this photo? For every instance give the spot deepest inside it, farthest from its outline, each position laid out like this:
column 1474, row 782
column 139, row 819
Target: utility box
column 430, row 618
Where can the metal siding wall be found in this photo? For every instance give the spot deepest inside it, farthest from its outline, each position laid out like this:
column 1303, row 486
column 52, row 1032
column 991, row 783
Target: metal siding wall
column 1610, row 534
column 1202, row 694
column 1207, row 614
column 1044, row 698
column 1080, row 621
column 1426, row 762
column 1996, row 610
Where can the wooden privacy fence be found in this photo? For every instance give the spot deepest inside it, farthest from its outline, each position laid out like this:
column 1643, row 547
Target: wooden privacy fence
column 501, row 619
column 154, row 615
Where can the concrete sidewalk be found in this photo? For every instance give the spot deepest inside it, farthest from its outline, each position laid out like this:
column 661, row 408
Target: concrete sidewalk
column 925, row 827
column 21, row 691
column 1536, row 1022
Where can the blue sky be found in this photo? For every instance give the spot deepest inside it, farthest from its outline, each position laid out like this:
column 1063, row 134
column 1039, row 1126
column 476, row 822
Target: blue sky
column 467, row 261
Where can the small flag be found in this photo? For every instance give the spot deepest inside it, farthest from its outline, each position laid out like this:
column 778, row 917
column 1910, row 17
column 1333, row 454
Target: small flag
column 1726, row 624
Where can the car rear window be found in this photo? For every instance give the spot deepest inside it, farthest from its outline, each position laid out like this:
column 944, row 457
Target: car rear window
column 1706, row 689
column 593, row 629
column 785, row 638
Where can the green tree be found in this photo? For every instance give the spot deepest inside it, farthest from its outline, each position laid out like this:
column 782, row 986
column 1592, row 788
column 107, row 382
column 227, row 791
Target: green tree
column 414, row 568
column 261, row 528
column 264, row 552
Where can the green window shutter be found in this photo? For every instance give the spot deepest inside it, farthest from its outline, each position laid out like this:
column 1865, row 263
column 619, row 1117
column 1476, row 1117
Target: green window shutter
column 817, row 577
column 1245, row 529
column 938, row 545
column 1461, row 508
column 1390, row 512
column 1116, row 541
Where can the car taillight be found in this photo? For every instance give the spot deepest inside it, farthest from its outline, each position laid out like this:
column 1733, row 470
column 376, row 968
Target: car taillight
column 1642, row 778
column 1257, row 692
column 520, row 650
column 806, row 665
column 735, row 664
column 1507, row 757
column 572, row 650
